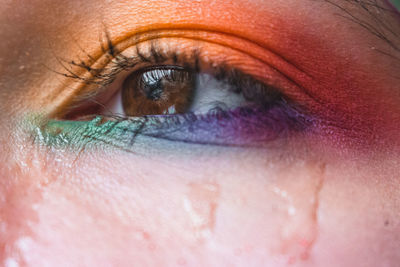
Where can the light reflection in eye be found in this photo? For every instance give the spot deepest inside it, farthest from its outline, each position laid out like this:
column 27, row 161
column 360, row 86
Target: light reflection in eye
column 158, row 91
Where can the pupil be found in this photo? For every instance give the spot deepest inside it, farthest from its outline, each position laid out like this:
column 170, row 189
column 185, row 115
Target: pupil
column 153, row 91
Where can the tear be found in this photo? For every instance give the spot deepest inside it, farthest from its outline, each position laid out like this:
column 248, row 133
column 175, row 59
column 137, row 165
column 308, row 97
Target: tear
column 299, row 194
column 200, row 204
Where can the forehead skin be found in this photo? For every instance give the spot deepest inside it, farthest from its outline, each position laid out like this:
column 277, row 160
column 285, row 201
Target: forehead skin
column 55, row 208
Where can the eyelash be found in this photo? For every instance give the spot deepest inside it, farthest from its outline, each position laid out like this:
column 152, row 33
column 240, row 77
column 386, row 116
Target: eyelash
column 102, row 77
column 278, row 111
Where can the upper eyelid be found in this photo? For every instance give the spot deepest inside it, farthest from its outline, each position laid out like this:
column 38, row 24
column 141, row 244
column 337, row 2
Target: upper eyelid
column 120, row 62
column 224, row 72
column 109, row 46
column 83, row 76
column 109, row 49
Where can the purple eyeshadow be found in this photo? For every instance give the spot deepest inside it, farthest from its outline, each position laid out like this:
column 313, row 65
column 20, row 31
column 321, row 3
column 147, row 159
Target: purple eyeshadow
column 244, row 126
column 239, row 127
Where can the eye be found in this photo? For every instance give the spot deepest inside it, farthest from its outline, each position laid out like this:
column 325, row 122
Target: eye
column 157, row 80
column 177, row 90
column 187, row 97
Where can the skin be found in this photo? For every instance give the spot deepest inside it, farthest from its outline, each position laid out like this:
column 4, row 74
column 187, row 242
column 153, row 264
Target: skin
column 327, row 197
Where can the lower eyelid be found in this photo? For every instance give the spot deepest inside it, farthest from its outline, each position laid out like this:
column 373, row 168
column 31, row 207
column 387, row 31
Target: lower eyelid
column 240, row 127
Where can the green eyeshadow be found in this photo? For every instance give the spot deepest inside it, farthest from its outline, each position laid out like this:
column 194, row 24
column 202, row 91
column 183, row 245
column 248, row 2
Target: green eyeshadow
column 241, row 127
column 79, row 134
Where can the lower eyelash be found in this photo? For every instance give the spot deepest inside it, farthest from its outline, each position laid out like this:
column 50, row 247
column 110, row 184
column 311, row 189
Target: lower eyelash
column 249, row 126
column 242, row 127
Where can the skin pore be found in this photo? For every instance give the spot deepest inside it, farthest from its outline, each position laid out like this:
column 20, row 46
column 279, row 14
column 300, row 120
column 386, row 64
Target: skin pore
column 324, row 196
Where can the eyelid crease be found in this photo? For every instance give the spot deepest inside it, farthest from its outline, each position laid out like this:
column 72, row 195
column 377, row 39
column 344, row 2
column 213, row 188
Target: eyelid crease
column 82, row 71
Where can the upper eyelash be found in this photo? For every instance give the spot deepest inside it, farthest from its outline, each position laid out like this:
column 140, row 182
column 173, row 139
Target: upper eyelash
column 166, row 126
column 102, row 77
column 106, row 75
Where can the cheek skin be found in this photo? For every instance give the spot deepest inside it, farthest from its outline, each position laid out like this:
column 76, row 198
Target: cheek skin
column 261, row 212
column 126, row 204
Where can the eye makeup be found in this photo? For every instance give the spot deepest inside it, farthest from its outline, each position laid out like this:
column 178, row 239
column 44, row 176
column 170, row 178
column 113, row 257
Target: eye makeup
column 95, row 81
column 242, row 127
column 265, row 117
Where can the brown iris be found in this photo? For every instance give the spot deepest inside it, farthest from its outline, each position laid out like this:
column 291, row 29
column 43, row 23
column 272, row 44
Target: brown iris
column 161, row 90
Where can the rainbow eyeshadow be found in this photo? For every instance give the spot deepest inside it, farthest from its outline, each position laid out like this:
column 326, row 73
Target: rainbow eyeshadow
column 239, row 127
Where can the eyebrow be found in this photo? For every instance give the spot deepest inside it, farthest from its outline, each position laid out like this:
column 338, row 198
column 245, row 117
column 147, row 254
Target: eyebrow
column 370, row 15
